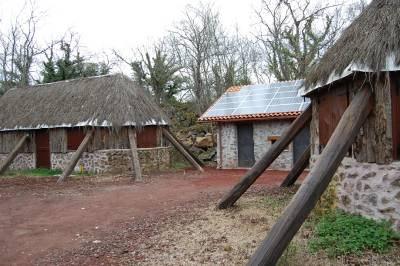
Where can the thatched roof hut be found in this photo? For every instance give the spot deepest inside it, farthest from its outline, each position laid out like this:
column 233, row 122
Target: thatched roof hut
column 97, row 118
column 370, row 44
column 364, row 61
column 103, row 101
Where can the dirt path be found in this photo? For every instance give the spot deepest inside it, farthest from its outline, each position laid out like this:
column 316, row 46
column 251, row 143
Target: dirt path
column 38, row 216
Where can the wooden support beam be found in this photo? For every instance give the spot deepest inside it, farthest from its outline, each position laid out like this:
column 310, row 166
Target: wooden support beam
column 316, row 182
column 11, row 156
column 189, row 157
column 199, row 162
column 266, row 160
column 135, row 155
column 75, row 157
column 298, row 168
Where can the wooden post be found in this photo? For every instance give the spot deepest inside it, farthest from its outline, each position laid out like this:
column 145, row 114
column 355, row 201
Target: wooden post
column 316, row 182
column 189, row 157
column 298, row 168
column 11, row 156
column 75, row 157
column 135, row 155
column 266, row 160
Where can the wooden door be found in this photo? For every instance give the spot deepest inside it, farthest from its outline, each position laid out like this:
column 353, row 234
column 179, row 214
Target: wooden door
column 147, row 137
column 42, row 149
column 300, row 143
column 332, row 105
column 395, row 91
column 245, row 145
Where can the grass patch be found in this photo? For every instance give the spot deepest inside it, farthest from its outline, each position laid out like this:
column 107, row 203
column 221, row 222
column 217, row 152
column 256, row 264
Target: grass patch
column 339, row 233
column 42, row 172
column 34, row 172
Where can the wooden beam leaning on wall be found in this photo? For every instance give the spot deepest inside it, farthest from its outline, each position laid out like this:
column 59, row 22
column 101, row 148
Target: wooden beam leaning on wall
column 135, row 156
column 298, row 168
column 266, row 160
column 77, row 155
column 179, row 146
column 316, row 181
column 11, row 156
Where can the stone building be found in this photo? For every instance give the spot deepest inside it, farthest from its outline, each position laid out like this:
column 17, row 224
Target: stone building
column 367, row 55
column 57, row 115
column 251, row 118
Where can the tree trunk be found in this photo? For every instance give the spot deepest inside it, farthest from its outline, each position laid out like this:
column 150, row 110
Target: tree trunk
column 135, row 155
column 316, row 182
column 266, row 160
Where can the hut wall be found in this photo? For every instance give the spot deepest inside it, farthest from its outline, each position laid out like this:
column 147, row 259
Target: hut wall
column 9, row 139
column 227, row 152
column 368, row 180
column 227, row 139
column 26, row 159
column 115, row 160
column 374, row 142
column 58, row 140
column 370, row 189
column 263, row 131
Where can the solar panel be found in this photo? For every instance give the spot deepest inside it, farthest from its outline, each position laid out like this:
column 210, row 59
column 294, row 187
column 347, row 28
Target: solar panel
column 259, row 99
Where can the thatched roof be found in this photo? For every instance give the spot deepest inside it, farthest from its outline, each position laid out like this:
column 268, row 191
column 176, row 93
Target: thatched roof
column 370, row 44
column 111, row 100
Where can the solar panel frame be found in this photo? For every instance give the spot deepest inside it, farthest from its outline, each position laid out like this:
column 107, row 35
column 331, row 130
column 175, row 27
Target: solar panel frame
column 278, row 97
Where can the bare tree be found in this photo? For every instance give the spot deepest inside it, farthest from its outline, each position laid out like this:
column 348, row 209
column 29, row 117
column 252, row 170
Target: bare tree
column 196, row 39
column 211, row 59
column 18, row 50
column 294, row 35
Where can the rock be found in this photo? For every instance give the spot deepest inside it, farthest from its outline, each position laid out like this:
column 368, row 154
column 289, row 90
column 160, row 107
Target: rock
column 397, row 196
column 187, row 142
column 396, row 183
column 196, row 151
column 204, row 142
column 208, row 155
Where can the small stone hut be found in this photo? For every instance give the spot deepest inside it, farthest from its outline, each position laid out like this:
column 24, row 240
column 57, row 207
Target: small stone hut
column 251, row 118
column 56, row 116
column 366, row 55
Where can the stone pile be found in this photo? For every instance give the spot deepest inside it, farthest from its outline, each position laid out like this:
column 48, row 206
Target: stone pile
column 202, row 144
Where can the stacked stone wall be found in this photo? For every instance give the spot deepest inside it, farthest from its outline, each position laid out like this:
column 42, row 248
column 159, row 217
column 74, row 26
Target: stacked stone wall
column 22, row 161
column 116, row 160
column 370, row 190
column 261, row 132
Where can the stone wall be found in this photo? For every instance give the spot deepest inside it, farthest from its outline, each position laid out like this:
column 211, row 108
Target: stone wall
column 22, row 161
column 370, row 190
column 227, row 150
column 116, row 160
column 261, row 132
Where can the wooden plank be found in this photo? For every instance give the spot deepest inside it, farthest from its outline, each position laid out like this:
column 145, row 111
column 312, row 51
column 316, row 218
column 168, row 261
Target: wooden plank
column 316, row 182
column 298, row 168
column 266, row 160
column 135, row 155
column 189, row 157
column 11, row 156
column 75, row 157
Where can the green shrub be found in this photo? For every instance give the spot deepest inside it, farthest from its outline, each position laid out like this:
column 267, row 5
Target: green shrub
column 339, row 233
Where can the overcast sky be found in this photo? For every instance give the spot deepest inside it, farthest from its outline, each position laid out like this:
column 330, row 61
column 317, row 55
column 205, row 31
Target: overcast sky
column 121, row 24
